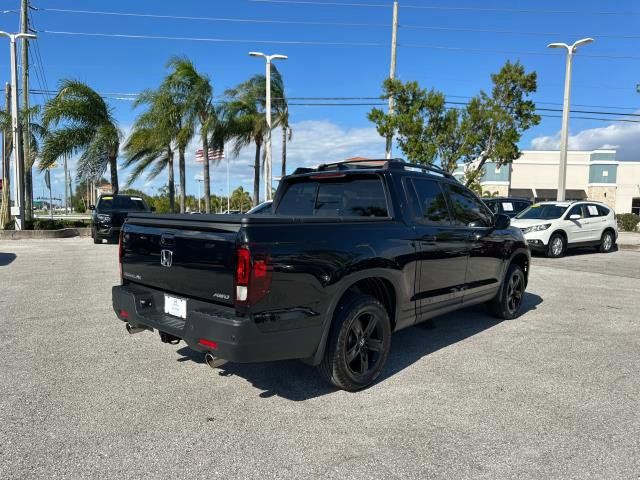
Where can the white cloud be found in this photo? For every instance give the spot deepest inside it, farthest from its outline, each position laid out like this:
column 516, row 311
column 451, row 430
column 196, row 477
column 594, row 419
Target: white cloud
column 625, row 138
column 313, row 142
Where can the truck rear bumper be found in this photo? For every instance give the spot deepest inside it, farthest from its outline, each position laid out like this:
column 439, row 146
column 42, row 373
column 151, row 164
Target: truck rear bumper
column 237, row 339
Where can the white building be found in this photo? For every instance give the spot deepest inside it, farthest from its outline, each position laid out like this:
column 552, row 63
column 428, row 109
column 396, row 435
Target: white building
column 595, row 175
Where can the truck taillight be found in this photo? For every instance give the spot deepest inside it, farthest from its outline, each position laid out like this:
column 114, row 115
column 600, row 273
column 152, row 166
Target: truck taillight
column 253, row 276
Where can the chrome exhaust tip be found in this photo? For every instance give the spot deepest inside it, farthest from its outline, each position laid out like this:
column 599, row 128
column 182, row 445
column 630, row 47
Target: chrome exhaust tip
column 131, row 329
column 214, row 362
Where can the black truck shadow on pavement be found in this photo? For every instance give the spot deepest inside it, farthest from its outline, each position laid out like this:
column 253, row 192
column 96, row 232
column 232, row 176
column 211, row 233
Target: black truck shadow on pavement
column 6, row 258
column 296, row 381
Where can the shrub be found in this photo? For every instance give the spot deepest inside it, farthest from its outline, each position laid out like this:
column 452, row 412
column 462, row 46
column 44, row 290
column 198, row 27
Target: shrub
column 46, row 224
column 627, row 222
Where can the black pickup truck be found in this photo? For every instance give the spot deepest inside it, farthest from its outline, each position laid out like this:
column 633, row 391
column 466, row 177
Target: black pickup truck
column 351, row 252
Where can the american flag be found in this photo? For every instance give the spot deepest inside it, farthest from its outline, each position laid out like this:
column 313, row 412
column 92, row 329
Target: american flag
column 215, row 155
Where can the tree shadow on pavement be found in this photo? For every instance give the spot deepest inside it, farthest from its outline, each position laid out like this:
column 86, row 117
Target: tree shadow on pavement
column 296, row 381
column 6, row 258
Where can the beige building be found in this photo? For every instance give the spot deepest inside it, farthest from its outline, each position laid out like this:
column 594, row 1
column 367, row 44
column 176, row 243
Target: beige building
column 594, row 175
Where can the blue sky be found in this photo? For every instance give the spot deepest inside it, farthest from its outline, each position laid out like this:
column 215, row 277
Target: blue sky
column 323, row 133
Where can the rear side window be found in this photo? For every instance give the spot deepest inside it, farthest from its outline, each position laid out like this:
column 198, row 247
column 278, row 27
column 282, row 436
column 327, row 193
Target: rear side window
column 429, row 202
column 603, row 211
column 352, row 197
column 467, row 209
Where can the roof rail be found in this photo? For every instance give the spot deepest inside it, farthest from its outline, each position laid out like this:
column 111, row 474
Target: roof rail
column 398, row 163
column 355, row 163
column 301, row 170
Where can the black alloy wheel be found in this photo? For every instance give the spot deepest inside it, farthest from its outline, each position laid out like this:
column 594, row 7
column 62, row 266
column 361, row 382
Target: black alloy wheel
column 507, row 303
column 358, row 343
column 515, row 291
column 364, row 345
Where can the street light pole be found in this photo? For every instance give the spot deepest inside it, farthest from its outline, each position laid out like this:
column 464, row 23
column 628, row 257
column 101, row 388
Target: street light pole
column 564, row 136
column 18, row 165
column 267, row 161
column 392, row 70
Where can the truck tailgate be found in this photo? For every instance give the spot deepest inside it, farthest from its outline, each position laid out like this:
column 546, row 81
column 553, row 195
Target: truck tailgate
column 194, row 258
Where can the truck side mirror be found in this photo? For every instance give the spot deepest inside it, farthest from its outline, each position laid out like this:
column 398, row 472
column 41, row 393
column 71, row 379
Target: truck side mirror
column 502, row 221
column 92, row 207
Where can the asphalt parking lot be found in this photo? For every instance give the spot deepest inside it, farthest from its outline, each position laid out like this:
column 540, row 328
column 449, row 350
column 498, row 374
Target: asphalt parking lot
column 553, row 394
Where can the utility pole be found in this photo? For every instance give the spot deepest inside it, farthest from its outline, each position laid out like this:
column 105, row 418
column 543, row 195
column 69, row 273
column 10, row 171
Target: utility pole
column 392, row 68
column 18, row 209
column 28, row 173
column 5, row 215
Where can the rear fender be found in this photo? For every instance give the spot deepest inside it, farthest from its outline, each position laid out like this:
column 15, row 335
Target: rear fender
column 345, row 284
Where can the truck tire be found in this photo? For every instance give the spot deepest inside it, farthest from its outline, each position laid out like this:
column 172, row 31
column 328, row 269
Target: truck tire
column 358, row 344
column 94, row 235
column 506, row 304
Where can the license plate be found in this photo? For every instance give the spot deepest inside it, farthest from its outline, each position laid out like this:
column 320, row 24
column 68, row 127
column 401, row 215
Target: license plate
column 175, row 306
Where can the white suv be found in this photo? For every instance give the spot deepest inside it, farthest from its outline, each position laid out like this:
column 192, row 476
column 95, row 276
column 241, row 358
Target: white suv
column 552, row 227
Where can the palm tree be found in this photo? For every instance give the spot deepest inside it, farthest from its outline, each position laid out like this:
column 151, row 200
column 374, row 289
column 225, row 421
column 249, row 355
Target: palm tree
column 197, row 93
column 85, row 125
column 247, row 117
column 150, row 145
column 175, row 86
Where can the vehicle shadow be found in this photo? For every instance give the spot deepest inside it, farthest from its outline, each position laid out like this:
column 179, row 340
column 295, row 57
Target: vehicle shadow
column 6, row 258
column 577, row 252
column 296, row 381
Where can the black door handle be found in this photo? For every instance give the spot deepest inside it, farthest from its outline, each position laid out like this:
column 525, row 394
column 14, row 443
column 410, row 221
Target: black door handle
column 429, row 238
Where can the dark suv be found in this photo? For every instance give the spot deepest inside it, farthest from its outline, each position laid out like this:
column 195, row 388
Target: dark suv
column 108, row 216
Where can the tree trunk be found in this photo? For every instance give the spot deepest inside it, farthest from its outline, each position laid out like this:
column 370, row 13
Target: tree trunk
column 471, row 178
column 284, row 151
column 205, row 175
column 256, row 175
column 172, row 185
column 181, row 173
column 113, row 166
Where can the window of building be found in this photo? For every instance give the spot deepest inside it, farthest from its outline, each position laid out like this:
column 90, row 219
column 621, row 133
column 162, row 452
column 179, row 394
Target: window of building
column 635, row 206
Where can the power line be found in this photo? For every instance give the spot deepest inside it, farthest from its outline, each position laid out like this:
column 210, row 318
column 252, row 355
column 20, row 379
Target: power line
column 376, row 100
column 211, row 19
column 382, row 104
column 325, row 43
column 217, row 40
column 518, row 32
column 449, row 8
column 336, row 24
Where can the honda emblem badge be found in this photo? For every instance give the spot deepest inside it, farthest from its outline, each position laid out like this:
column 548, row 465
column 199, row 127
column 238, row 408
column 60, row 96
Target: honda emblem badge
column 166, row 258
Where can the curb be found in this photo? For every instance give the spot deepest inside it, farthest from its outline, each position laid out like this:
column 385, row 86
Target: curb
column 628, row 247
column 44, row 234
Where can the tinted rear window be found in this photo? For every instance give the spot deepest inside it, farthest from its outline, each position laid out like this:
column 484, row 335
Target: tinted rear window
column 352, row 197
column 122, row 203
